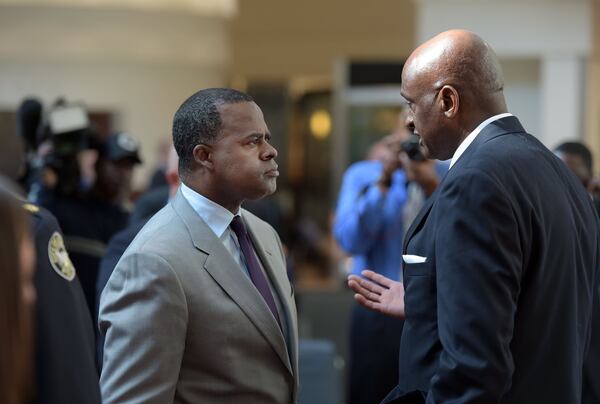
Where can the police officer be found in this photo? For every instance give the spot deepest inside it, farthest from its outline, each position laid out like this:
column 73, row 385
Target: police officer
column 64, row 341
column 64, row 334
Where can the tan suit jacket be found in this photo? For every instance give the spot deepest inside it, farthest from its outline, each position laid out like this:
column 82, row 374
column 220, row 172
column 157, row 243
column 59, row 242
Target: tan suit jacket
column 184, row 324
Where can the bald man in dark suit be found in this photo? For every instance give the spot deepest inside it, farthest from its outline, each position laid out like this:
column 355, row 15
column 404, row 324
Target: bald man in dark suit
column 499, row 267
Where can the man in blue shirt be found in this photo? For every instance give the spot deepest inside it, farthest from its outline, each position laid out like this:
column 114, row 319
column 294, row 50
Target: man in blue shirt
column 369, row 226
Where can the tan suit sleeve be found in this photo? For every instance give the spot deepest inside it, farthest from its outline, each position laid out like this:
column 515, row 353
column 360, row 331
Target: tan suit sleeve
column 143, row 315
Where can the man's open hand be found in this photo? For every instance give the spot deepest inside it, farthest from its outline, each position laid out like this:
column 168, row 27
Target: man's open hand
column 378, row 293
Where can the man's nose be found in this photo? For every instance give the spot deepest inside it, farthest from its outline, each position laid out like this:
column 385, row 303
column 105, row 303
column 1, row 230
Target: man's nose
column 410, row 123
column 270, row 152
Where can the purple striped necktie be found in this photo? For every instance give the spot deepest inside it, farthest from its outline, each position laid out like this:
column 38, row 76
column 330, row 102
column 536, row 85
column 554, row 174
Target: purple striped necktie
column 256, row 274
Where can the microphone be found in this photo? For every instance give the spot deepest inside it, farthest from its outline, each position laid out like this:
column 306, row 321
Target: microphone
column 29, row 118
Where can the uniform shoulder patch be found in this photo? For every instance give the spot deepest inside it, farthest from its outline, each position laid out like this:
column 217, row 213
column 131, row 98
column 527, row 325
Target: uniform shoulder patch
column 59, row 257
column 31, row 208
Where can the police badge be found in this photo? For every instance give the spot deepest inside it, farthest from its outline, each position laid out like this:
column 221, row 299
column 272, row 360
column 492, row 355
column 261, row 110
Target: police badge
column 59, row 257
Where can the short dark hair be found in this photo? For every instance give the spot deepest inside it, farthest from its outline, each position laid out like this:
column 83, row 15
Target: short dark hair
column 198, row 121
column 577, row 149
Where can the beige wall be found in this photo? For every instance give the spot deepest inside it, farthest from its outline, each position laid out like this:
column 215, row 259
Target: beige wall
column 143, row 98
column 140, row 65
column 278, row 40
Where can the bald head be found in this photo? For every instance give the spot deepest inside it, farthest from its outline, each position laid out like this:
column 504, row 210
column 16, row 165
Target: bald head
column 456, row 76
column 460, row 58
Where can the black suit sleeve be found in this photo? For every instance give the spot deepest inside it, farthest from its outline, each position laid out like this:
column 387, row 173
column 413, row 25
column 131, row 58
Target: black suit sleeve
column 591, row 364
column 478, row 261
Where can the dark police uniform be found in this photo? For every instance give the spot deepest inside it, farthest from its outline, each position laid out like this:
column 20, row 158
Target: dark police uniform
column 65, row 367
column 87, row 224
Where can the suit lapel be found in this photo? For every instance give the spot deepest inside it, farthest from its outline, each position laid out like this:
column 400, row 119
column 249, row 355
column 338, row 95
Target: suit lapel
column 221, row 266
column 420, row 219
column 496, row 128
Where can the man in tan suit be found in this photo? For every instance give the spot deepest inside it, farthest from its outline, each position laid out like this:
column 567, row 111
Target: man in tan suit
column 199, row 308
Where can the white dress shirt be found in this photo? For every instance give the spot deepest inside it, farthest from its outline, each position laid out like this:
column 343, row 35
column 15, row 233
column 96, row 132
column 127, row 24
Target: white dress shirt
column 469, row 139
column 218, row 220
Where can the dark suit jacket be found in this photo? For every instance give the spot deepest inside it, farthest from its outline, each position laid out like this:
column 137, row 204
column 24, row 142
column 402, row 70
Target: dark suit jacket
column 500, row 312
column 591, row 366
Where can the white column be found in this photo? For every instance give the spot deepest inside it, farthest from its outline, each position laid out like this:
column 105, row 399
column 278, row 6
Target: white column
column 561, row 84
column 555, row 34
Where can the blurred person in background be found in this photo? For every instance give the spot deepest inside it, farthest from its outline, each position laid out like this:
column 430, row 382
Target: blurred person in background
column 423, row 175
column 114, row 169
column 157, row 179
column 28, row 123
column 17, row 297
column 81, row 180
column 369, row 225
column 91, row 215
column 370, row 222
column 580, row 161
column 158, row 191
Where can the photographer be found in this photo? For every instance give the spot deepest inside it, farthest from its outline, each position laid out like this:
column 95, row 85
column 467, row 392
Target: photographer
column 369, row 225
column 55, row 148
column 378, row 201
column 84, row 184
column 422, row 175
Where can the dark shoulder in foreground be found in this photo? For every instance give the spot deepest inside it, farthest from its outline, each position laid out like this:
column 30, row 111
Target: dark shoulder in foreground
column 65, row 365
column 41, row 218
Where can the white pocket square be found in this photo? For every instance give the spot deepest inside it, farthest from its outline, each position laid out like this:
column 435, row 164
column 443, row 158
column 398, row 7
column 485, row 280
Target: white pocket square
column 413, row 259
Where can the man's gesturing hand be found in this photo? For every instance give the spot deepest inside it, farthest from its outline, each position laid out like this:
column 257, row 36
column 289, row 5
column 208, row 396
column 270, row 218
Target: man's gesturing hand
column 378, row 293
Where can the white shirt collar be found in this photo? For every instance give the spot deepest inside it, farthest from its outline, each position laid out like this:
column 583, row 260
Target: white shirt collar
column 469, row 139
column 214, row 215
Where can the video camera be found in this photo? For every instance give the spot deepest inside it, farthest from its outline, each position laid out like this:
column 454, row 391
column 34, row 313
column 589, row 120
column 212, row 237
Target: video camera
column 68, row 129
column 412, row 148
column 53, row 139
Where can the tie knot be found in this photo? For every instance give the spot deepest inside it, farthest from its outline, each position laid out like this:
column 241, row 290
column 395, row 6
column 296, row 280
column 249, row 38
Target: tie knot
column 238, row 227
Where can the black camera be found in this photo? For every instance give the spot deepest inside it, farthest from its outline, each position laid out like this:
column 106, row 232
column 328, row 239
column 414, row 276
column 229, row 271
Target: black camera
column 412, row 148
column 68, row 128
column 54, row 140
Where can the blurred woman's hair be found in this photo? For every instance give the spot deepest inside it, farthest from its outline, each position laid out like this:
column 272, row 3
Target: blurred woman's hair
column 15, row 312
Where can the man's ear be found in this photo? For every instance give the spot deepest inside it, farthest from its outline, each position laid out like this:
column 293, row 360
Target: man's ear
column 203, row 156
column 449, row 101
